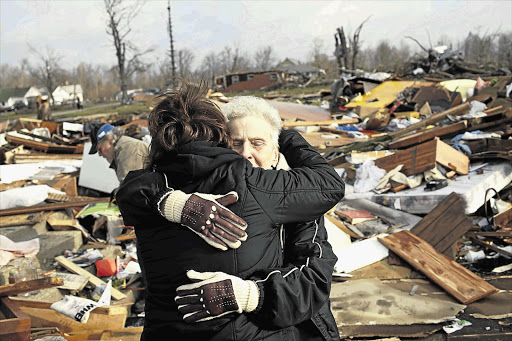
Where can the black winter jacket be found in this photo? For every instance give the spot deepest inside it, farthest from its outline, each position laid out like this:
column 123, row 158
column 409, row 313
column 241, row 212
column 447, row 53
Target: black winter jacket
column 267, row 199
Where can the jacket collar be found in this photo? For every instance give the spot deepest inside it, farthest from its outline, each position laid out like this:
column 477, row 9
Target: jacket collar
column 194, row 160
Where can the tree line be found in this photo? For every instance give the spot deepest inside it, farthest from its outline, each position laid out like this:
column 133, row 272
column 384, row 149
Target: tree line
column 101, row 82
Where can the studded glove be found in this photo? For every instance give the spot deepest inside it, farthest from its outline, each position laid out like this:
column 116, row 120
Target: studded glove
column 216, row 294
column 206, row 216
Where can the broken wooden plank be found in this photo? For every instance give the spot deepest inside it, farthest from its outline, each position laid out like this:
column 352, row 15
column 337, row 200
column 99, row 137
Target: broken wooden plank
column 40, row 157
column 43, row 146
column 95, row 281
column 51, row 207
column 319, row 123
column 21, row 219
column 457, row 110
column 490, row 246
column 444, row 225
column 355, row 216
column 30, row 285
column 502, row 219
column 344, row 228
column 459, row 282
column 427, row 135
column 16, row 324
column 498, row 234
column 424, row 156
column 100, row 318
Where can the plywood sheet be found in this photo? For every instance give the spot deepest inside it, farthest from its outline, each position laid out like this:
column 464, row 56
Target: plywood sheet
column 423, row 157
column 371, row 302
column 461, row 283
column 442, row 227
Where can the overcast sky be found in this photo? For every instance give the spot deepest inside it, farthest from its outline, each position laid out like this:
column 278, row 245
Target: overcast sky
column 76, row 29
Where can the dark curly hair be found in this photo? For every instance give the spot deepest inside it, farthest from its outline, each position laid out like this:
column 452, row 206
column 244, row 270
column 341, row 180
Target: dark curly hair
column 185, row 115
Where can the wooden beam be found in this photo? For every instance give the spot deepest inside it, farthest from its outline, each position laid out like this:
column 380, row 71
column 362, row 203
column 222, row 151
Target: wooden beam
column 343, row 227
column 490, row 246
column 319, row 123
column 16, row 324
column 458, row 281
column 26, row 286
column 21, row 219
column 44, row 146
column 499, row 234
column 51, row 207
column 424, row 156
column 457, row 110
column 95, row 281
column 427, row 135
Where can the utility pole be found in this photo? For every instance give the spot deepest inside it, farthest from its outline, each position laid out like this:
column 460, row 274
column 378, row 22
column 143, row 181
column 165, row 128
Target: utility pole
column 173, row 65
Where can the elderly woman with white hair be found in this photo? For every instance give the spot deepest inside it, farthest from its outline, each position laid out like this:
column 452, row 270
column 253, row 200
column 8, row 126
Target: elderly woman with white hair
column 296, row 291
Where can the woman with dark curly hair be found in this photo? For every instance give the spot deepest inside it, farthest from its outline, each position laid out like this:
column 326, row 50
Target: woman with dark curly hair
column 189, row 153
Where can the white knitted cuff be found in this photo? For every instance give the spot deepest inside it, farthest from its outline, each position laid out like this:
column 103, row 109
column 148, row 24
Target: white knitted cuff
column 248, row 299
column 173, row 205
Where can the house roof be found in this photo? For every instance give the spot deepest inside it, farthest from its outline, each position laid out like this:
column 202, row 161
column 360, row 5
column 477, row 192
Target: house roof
column 73, row 88
column 300, row 68
column 7, row 93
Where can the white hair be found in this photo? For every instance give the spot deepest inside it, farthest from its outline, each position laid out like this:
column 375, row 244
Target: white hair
column 245, row 106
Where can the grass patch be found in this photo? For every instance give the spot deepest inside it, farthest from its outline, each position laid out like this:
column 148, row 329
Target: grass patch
column 115, row 107
column 121, row 110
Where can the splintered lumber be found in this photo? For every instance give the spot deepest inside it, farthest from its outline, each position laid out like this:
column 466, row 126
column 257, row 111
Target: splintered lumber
column 51, row 207
column 490, row 246
column 427, row 135
column 15, row 324
column 319, row 123
column 100, row 318
column 43, row 146
column 40, row 157
column 30, row 285
column 502, row 219
column 355, row 216
column 21, row 219
column 423, row 157
column 457, row 110
column 66, row 185
column 343, row 227
column 95, row 281
column 444, row 225
column 458, row 281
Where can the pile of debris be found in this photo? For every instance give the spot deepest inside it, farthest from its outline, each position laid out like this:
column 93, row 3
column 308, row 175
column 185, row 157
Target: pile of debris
column 423, row 236
column 64, row 249
column 428, row 167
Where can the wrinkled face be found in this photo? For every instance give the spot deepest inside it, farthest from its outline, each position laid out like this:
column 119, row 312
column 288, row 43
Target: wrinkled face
column 106, row 149
column 252, row 139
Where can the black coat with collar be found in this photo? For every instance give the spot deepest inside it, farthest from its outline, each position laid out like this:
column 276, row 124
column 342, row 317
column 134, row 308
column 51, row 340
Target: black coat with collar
column 267, row 199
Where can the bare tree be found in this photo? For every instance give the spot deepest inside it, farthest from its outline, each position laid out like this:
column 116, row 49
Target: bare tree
column 210, row 66
column 47, row 70
column 120, row 14
column 185, row 59
column 233, row 60
column 264, row 58
column 342, row 48
column 355, row 45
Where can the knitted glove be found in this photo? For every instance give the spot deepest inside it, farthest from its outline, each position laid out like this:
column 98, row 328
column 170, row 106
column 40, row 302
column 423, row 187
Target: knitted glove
column 207, row 216
column 216, row 294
